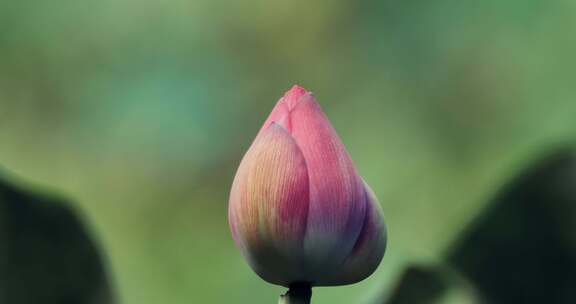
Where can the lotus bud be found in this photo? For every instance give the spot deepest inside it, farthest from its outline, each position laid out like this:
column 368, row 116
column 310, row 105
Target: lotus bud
column 298, row 210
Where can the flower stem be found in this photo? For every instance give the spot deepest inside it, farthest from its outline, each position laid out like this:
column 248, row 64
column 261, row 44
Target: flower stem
column 298, row 293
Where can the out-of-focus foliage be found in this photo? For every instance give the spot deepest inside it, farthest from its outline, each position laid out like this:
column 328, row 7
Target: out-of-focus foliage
column 141, row 110
column 520, row 249
column 46, row 254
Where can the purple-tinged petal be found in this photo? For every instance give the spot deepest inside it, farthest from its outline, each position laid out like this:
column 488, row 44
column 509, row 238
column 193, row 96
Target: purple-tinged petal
column 337, row 196
column 269, row 206
column 369, row 248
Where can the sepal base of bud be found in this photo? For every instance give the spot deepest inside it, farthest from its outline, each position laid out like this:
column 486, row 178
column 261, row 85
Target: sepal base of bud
column 298, row 293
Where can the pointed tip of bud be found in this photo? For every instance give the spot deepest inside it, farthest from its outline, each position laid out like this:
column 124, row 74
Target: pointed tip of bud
column 292, row 96
column 297, row 90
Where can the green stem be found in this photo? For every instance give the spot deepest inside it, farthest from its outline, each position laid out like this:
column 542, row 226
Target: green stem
column 298, row 293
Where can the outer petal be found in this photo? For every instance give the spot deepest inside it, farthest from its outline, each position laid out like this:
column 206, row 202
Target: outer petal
column 337, row 196
column 369, row 248
column 269, row 206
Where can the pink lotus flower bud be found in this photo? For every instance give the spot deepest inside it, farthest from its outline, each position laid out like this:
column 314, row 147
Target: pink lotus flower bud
column 299, row 211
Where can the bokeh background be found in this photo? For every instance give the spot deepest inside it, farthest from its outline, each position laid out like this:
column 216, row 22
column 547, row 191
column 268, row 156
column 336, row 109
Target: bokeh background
column 137, row 113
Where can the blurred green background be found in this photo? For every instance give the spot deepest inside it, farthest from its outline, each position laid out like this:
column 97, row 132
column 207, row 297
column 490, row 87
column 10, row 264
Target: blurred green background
column 140, row 111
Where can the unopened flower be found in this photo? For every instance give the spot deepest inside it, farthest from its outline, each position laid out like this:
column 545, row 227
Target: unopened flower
column 299, row 211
